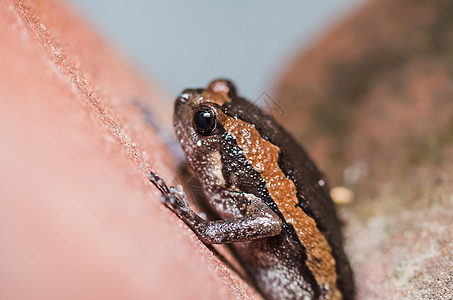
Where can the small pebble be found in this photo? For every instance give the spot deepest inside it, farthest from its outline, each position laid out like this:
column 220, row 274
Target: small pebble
column 341, row 195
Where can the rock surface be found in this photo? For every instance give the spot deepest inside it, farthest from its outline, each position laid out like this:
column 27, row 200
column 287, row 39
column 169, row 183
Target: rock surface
column 78, row 217
column 373, row 103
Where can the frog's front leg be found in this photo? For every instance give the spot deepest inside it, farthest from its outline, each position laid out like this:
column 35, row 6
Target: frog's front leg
column 259, row 221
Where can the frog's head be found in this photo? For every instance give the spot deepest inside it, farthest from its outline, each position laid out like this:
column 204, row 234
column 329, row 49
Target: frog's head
column 198, row 119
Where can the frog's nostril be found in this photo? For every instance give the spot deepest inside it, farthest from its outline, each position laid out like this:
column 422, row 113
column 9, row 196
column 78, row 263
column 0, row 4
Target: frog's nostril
column 185, row 95
column 183, row 98
column 188, row 94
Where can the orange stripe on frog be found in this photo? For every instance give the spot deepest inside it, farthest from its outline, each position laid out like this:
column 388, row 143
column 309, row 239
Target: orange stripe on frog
column 264, row 156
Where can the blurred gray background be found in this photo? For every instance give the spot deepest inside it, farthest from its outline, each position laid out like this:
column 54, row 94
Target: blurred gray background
column 188, row 43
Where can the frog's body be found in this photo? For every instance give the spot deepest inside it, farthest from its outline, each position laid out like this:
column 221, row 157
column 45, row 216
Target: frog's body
column 273, row 202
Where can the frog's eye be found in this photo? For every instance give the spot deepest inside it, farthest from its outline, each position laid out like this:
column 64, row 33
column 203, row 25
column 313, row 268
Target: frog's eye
column 204, row 120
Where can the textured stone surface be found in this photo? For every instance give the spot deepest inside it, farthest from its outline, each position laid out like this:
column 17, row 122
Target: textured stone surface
column 78, row 218
column 373, row 103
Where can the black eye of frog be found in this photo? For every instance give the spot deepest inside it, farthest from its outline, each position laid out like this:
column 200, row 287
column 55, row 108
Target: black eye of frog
column 204, row 120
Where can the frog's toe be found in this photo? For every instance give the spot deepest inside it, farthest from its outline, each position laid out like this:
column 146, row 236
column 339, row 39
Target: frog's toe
column 179, row 192
column 173, row 202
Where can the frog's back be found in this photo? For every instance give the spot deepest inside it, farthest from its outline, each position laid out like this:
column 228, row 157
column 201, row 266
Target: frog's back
column 310, row 247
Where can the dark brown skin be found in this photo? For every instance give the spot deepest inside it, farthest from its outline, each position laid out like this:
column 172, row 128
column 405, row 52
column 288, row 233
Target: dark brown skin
column 273, row 202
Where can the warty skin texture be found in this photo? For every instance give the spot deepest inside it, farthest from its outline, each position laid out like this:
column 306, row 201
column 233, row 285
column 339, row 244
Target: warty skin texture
column 267, row 192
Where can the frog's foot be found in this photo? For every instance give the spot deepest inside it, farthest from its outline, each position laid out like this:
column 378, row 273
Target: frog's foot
column 178, row 191
column 175, row 201
column 172, row 197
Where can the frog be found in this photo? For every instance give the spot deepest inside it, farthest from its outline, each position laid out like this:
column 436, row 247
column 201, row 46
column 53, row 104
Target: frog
column 272, row 203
